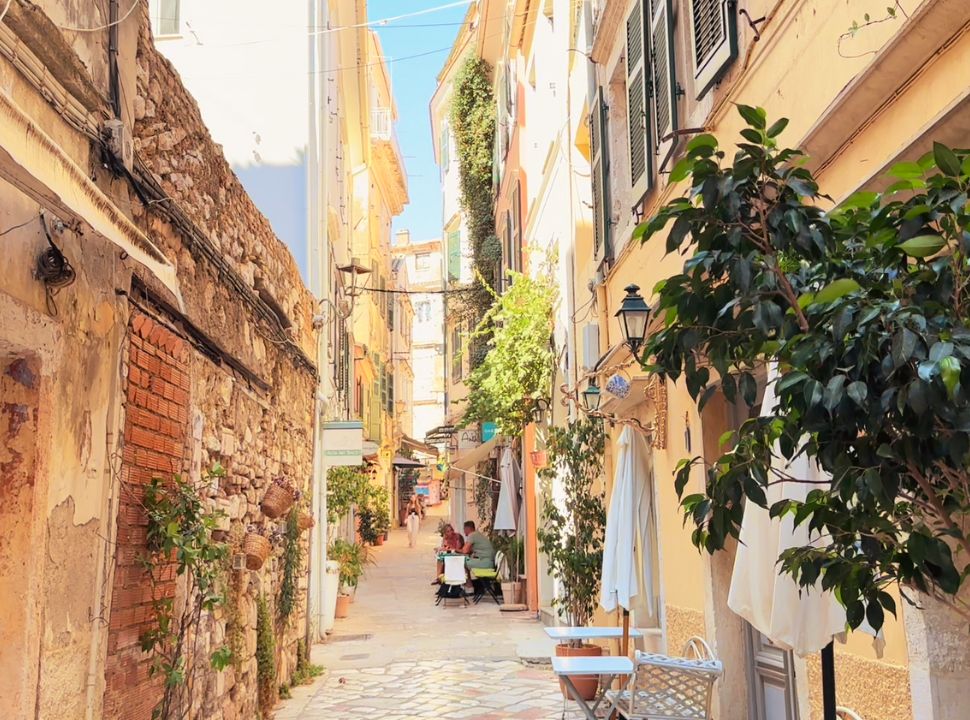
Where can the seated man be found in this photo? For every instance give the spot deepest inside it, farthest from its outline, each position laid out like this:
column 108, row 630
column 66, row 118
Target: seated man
column 478, row 548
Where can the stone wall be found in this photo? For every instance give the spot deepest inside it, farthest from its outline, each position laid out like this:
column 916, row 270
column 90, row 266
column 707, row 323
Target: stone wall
column 131, row 382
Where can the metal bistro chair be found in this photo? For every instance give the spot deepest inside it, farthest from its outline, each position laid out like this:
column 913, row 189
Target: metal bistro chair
column 453, row 581
column 484, row 580
column 670, row 688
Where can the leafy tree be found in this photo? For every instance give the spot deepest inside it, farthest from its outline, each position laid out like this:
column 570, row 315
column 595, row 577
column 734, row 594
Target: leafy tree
column 517, row 370
column 864, row 308
column 572, row 537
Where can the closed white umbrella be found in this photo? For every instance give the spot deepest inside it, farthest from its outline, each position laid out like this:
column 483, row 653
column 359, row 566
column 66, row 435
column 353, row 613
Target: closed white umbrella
column 507, row 511
column 627, row 568
column 803, row 620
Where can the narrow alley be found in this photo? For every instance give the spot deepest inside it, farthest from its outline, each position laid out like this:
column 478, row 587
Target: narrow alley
column 398, row 657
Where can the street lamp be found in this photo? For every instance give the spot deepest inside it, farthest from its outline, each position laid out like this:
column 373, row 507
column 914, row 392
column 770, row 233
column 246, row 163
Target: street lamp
column 634, row 314
column 539, row 407
column 591, row 396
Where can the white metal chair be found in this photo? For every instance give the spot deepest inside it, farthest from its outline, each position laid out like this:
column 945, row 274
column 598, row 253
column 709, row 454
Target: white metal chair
column 453, row 580
column 670, row 688
column 845, row 713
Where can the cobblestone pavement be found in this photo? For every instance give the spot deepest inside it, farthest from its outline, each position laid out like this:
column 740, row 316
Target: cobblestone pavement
column 398, row 657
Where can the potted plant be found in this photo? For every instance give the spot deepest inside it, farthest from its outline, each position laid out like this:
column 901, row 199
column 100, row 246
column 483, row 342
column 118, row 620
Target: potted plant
column 513, row 548
column 374, row 516
column 572, row 534
column 352, row 557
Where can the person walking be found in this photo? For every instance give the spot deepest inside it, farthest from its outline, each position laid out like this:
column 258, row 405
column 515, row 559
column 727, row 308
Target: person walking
column 413, row 521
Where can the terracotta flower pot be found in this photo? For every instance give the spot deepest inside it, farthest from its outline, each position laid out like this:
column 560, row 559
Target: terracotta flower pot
column 379, row 540
column 539, row 459
column 305, row 522
column 343, row 606
column 587, row 685
column 511, row 593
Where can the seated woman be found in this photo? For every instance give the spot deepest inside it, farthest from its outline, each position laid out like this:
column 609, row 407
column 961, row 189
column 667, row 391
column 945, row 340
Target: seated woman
column 451, row 542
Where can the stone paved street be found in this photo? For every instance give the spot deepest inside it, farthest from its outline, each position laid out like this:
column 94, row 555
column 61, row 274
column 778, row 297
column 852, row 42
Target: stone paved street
column 398, row 657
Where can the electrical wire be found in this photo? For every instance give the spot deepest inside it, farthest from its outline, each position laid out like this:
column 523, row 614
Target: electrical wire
column 384, row 21
column 102, row 27
column 25, row 222
column 415, row 292
column 5, row 9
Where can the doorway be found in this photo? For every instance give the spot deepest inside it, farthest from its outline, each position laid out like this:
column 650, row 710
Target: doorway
column 771, row 679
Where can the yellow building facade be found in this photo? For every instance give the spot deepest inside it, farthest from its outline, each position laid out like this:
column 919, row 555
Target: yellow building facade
column 606, row 95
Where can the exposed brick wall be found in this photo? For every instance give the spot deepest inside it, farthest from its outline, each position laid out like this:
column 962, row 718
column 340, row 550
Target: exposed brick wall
column 156, row 418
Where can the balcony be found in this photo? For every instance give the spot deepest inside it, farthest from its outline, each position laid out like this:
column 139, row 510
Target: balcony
column 388, row 161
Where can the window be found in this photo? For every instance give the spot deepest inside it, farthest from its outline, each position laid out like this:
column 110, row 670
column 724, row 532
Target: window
column 445, row 147
column 454, row 255
column 600, row 158
column 457, row 364
column 516, row 263
column 715, row 41
column 422, row 262
column 652, row 89
column 165, row 17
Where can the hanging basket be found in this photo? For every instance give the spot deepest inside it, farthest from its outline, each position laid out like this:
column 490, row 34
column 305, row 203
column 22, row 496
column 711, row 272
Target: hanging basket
column 305, row 521
column 538, row 458
column 257, row 549
column 277, row 500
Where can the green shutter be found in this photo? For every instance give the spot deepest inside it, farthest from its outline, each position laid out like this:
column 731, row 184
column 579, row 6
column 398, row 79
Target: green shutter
column 663, row 73
column 714, row 40
column 454, row 255
column 637, row 80
column 599, row 150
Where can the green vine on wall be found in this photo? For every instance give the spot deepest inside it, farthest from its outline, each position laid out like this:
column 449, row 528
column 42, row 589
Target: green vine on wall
column 518, row 369
column 179, row 534
column 292, row 562
column 472, row 117
column 265, row 657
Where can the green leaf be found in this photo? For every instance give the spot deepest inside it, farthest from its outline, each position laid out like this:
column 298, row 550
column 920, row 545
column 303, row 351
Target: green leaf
column 833, row 392
column 903, row 345
column 777, row 128
column 875, row 615
column 681, row 170
column 946, row 160
column 922, row 246
column 950, row 373
column 858, row 391
column 755, row 117
column 835, row 290
column 702, row 140
column 906, row 170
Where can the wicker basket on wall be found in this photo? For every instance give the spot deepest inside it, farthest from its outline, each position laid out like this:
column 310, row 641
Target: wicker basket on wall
column 257, row 549
column 277, row 500
column 305, row 522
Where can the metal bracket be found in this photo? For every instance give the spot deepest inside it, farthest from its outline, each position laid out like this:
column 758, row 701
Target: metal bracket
column 753, row 23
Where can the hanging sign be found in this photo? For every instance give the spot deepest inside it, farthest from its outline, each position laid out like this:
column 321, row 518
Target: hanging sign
column 343, row 442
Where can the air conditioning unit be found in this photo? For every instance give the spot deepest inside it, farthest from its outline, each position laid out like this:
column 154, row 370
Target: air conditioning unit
column 591, row 345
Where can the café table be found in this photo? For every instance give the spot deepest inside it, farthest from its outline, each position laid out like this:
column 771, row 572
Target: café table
column 606, row 667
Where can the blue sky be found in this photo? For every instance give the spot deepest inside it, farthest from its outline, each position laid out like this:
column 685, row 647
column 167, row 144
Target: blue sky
column 414, row 83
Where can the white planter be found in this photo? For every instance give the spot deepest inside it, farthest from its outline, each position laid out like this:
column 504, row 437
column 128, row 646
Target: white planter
column 330, row 597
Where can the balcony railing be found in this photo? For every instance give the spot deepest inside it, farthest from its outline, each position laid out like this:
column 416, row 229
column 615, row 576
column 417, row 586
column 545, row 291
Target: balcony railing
column 382, row 124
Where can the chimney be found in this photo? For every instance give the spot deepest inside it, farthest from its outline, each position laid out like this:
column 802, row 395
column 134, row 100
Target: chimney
column 402, row 238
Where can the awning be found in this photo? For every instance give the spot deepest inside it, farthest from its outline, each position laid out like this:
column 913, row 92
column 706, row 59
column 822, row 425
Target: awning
column 472, row 457
column 369, row 447
column 418, row 446
column 404, row 462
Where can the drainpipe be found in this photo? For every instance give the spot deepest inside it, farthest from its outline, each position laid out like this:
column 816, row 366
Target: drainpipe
column 114, row 80
column 318, row 179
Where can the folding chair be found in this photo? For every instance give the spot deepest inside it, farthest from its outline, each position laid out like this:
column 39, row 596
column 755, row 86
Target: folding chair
column 453, row 581
column 486, row 580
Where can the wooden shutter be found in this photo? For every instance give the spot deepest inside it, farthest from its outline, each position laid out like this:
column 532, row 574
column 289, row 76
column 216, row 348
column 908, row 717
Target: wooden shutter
column 516, row 263
column 641, row 165
column 599, row 151
column 664, row 76
column 714, row 37
column 454, row 255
